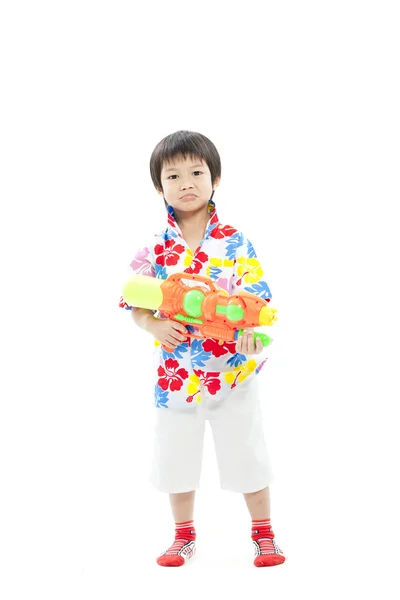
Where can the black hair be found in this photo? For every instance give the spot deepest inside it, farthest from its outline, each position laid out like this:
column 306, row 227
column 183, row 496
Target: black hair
column 184, row 143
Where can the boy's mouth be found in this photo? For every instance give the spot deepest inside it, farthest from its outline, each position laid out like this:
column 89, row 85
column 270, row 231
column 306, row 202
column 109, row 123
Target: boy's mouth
column 188, row 197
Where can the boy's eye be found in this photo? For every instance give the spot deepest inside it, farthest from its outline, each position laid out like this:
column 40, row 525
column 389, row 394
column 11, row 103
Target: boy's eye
column 174, row 176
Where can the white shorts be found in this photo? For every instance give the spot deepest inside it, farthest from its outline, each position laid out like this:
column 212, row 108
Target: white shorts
column 237, row 429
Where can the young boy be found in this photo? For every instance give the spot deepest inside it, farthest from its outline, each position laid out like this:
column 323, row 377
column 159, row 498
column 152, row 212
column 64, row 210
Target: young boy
column 204, row 379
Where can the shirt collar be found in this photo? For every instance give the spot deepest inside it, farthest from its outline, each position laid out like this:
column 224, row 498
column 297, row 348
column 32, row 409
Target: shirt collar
column 212, row 222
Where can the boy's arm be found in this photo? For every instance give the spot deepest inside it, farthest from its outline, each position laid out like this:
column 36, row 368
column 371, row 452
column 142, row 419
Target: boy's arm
column 168, row 333
column 144, row 318
column 249, row 276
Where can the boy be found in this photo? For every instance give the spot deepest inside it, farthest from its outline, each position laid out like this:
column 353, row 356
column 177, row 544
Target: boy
column 204, row 379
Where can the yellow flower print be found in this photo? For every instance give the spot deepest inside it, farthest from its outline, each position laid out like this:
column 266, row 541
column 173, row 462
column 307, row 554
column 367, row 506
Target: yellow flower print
column 250, row 269
column 213, row 262
column 193, row 389
column 218, row 262
column 188, row 258
column 230, row 377
column 194, row 384
column 240, row 373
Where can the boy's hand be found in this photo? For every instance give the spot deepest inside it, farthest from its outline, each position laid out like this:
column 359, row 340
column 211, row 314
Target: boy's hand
column 168, row 333
column 245, row 344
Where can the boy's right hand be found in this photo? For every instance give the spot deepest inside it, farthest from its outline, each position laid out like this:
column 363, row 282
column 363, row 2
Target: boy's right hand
column 169, row 333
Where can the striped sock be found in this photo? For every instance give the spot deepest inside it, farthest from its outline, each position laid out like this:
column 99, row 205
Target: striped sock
column 267, row 551
column 183, row 548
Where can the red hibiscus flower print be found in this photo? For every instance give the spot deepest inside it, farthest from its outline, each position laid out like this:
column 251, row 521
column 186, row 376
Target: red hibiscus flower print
column 122, row 303
column 218, row 349
column 210, row 381
column 214, row 218
column 168, row 253
column 172, row 376
column 221, row 232
column 197, row 263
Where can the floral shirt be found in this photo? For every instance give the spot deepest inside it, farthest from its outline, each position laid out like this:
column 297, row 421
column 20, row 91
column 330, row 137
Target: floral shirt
column 229, row 259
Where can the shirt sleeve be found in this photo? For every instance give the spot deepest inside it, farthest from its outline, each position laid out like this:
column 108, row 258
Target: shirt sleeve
column 248, row 273
column 142, row 264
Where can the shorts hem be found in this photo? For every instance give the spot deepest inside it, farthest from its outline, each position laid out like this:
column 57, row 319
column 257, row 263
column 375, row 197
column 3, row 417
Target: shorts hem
column 175, row 490
column 246, row 489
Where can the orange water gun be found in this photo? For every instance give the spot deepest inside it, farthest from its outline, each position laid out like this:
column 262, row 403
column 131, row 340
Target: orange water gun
column 202, row 304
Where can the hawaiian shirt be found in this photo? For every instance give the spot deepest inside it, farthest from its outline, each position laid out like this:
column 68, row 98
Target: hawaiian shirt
column 227, row 257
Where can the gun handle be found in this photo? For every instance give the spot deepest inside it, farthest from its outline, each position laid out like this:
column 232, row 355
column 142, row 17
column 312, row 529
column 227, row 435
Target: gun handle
column 177, row 277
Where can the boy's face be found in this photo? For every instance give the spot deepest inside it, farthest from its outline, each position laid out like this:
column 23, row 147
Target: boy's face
column 187, row 184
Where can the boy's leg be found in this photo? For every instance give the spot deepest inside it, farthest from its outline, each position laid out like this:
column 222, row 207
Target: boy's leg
column 244, row 464
column 237, row 428
column 176, row 469
column 182, row 506
column 184, row 545
column 258, row 504
column 178, row 451
column 267, row 551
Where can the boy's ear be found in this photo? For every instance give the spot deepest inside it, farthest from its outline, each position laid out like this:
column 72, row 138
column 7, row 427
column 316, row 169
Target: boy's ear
column 216, row 183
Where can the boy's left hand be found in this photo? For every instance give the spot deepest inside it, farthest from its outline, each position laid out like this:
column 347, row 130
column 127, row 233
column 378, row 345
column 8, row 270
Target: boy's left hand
column 245, row 344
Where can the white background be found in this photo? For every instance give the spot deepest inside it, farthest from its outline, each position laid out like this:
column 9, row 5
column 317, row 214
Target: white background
column 302, row 101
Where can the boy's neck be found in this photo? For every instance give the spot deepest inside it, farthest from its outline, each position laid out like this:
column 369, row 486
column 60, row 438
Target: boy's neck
column 193, row 226
column 193, row 222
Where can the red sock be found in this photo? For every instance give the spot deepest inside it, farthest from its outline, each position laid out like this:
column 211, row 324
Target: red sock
column 183, row 548
column 267, row 551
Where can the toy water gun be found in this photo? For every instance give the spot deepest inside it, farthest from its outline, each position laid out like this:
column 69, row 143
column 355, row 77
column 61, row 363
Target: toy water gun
column 202, row 304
